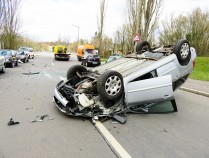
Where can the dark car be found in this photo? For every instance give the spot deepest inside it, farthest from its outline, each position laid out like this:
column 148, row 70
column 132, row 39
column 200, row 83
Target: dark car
column 91, row 60
column 23, row 56
column 11, row 58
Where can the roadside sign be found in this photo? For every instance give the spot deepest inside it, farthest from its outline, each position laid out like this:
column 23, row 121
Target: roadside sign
column 137, row 38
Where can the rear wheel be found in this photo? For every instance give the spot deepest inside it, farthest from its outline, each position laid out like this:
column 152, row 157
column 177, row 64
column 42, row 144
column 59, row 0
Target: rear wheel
column 142, row 47
column 73, row 70
column 182, row 51
column 110, row 85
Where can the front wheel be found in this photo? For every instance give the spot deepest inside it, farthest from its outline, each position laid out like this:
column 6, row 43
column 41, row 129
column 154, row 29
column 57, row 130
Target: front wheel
column 110, row 85
column 3, row 70
column 12, row 64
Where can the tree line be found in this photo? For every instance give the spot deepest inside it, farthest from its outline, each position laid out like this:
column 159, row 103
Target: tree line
column 142, row 18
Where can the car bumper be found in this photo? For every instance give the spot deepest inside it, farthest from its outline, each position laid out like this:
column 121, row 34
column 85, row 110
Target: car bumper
column 60, row 101
column 94, row 62
column 62, row 57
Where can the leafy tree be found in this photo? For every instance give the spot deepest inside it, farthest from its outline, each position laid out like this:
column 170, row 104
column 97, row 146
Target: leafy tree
column 194, row 27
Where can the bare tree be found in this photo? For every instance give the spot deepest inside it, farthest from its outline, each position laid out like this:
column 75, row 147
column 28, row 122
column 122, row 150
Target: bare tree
column 10, row 25
column 101, row 20
column 194, row 27
column 143, row 16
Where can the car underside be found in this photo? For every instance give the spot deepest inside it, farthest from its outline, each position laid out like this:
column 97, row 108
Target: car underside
column 135, row 83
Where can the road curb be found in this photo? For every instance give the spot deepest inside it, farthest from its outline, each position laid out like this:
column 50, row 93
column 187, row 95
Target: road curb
column 194, row 91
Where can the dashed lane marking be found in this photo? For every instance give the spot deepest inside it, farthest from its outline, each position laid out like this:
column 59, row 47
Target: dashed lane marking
column 111, row 141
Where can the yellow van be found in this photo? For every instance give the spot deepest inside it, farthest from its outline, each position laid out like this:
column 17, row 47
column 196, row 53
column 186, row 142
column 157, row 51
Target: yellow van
column 82, row 49
column 60, row 52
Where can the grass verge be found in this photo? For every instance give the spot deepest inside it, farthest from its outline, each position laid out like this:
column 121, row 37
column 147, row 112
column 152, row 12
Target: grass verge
column 201, row 70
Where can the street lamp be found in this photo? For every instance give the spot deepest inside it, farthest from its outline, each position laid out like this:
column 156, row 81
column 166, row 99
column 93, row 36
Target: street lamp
column 78, row 31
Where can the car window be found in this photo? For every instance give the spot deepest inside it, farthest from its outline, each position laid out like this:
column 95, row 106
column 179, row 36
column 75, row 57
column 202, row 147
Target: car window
column 6, row 53
column 86, row 56
column 89, row 50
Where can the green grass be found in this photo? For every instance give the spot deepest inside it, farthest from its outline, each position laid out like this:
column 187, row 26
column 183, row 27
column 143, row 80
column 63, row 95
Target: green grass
column 201, row 70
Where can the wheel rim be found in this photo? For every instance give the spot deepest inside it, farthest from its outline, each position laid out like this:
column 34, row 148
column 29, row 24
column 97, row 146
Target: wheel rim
column 113, row 85
column 184, row 50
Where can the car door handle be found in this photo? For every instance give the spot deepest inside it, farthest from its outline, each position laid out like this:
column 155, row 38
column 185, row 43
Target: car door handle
column 166, row 96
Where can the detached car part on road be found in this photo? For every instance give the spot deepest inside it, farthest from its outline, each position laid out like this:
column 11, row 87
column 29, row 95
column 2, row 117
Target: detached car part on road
column 134, row 83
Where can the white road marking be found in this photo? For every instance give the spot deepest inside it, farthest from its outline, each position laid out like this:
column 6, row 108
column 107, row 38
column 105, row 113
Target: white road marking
column 111, row 141
column 47, row 75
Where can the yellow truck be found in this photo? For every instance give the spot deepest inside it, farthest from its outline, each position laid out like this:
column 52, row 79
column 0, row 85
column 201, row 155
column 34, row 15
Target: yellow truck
column 60, row 52
column 82, row 49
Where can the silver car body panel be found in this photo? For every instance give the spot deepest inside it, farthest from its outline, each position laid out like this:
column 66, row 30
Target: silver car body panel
column 149, row 90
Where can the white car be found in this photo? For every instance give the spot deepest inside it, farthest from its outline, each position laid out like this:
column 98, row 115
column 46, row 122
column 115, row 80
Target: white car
column 136, row 83
column 29, row 51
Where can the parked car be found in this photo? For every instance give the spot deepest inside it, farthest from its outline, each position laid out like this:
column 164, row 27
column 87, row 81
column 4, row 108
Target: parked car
column 11, row 58
column 2, row 64
column 91, row 59
column 111, row 58
column 136, row 83
column 23, row 55
column 31, row 54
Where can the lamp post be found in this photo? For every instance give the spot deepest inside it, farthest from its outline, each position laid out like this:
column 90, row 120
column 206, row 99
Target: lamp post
column 78, row 31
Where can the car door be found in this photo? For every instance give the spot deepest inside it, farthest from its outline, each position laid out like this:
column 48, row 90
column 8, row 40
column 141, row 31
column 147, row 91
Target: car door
column 149, row 90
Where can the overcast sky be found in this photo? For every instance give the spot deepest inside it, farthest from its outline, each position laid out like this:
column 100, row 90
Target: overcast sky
column 48, row 20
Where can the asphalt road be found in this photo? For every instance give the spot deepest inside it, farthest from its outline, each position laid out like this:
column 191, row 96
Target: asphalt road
column 23, row 97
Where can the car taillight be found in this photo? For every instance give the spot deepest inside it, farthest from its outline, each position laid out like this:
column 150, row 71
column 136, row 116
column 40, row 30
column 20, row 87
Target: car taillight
column 193, row 64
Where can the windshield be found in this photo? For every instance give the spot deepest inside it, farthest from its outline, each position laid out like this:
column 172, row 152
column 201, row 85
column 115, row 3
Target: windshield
column 89, row 50
column 5, row 53
column 20, row 53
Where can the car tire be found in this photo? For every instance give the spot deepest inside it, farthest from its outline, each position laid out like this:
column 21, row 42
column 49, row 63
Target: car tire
column 72, row 71
column 3, row 70
column 16, row 63
column 143, row 46
column 110, row 85
column 182, row 51
column 12, row 64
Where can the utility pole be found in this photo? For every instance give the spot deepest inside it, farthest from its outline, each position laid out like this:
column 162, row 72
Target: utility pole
column 78, row 30
column 137, row 22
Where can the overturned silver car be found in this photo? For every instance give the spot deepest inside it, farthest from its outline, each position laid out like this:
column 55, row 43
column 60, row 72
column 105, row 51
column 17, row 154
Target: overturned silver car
column 130, row 84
